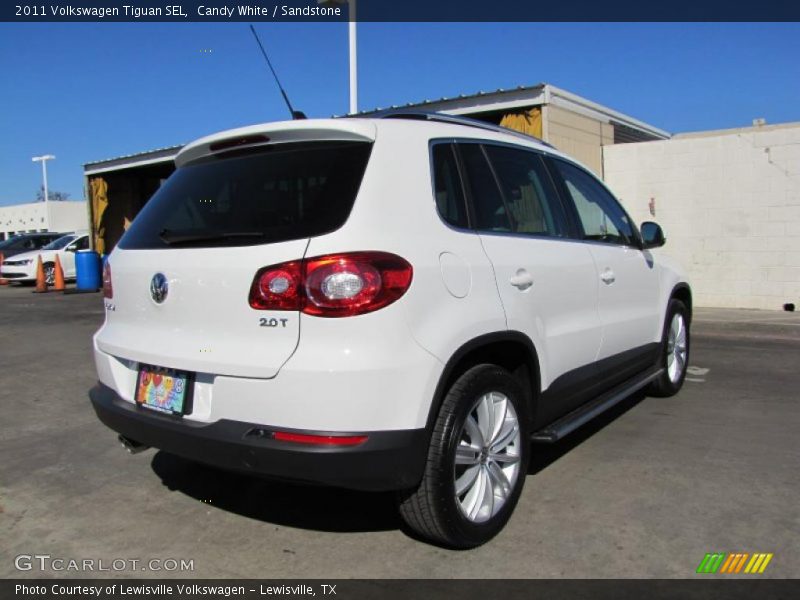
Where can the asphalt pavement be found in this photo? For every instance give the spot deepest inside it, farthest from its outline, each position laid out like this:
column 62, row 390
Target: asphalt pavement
column 644, row 491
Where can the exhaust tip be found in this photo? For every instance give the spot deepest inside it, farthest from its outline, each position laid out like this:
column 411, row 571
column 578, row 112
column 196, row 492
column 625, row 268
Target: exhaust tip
column 132, row 446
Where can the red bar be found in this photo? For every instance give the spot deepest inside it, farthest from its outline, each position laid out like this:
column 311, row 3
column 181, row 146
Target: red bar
column 322, row 440
column 236, row 142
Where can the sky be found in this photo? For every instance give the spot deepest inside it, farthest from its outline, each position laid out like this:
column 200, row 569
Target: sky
column 91, row 91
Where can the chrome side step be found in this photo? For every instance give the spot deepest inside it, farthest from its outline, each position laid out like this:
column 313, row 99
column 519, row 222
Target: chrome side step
column 581, row 415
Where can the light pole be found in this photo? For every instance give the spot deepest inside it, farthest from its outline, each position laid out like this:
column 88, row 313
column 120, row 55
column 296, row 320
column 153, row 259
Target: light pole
column 351, row 16
column 43, row 159
column 353, row 58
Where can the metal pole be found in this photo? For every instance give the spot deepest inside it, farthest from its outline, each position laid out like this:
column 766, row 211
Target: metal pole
column 353, row 59
column 44, row 178
column 43, row 159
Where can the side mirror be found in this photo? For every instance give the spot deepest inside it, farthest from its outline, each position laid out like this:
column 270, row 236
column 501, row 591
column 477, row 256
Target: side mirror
column 70, row 249
column 652, row 235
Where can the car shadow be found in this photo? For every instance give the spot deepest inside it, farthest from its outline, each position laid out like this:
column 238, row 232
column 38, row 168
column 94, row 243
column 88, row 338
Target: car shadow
column 278, row 502
column 544, row 455
column 323, row 508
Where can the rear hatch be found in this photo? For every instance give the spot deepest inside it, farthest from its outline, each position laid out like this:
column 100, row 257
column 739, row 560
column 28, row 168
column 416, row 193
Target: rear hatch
column 234, row 205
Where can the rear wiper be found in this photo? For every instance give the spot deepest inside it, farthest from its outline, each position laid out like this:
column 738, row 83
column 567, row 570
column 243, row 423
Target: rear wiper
column 171, row 237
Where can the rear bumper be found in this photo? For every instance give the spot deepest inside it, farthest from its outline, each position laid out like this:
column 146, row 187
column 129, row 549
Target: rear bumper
column 387, row 460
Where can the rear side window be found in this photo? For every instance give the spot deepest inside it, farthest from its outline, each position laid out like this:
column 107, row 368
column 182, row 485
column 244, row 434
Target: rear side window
column 82, row 244
column 600, row 215
column 529, row 194
column 447, row 186
column 271, row 194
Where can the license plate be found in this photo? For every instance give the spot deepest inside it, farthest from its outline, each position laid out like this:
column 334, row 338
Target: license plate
column 165, row 390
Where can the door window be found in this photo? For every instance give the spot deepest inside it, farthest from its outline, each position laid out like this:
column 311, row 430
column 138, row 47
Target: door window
column 529, row 195
column 447, row 186
column 511, row 191
column 490, row 210
column 601, row 217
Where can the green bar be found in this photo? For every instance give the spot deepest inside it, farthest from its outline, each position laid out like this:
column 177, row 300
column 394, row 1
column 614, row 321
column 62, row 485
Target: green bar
column 716, row 565
column 702, row 567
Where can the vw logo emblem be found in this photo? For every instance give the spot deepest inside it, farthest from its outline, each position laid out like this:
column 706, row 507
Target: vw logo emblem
column 159, row 288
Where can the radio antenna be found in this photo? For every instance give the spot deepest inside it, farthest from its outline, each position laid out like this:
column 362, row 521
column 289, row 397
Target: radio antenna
column 296, row 114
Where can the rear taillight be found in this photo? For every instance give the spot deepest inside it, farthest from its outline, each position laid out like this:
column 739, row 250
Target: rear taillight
column 108, row 290
column 279, row 287
column 335, row 285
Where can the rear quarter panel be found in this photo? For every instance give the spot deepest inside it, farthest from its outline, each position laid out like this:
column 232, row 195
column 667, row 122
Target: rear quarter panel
column 453, row 296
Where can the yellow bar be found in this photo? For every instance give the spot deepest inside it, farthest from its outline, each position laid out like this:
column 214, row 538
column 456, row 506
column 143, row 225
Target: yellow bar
column 766, row 562
column 741, row 562
column 728, row 561
column 758, row 563
column 751, row 563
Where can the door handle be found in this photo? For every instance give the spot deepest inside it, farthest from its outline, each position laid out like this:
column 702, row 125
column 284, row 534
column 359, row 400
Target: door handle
column 608, row 276
column 522, row 280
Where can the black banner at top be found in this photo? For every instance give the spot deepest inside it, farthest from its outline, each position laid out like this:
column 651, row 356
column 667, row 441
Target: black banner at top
column 398, row 10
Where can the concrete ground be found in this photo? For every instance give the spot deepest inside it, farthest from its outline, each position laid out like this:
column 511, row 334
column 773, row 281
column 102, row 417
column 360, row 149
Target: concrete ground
column 644, row 491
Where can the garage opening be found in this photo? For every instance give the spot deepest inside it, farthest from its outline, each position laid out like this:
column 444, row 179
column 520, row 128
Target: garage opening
column 119, row 188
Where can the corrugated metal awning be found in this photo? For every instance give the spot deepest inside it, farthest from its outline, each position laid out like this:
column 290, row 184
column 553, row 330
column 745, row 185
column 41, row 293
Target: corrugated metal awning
column 132, row 160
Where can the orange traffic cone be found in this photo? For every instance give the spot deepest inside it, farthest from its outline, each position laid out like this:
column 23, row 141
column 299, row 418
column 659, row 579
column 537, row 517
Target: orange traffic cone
column 2, row 281
column 41, row 282
column 58, row 277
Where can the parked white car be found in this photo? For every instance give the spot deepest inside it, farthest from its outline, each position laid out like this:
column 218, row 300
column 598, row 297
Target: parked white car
column 22, row 267
column 397, row 303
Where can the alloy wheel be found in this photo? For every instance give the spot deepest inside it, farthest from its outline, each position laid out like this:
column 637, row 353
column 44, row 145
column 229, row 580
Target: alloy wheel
column 676, row 348
column 487, row 457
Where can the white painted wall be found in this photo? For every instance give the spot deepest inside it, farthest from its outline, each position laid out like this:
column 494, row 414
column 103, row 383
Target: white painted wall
column 69, row 216
column 61, row 216
column 729, row 203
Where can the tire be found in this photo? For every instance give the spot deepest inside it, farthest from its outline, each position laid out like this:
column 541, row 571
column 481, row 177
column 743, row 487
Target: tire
column 50, row 273
column 471, row 517
column 675, row 344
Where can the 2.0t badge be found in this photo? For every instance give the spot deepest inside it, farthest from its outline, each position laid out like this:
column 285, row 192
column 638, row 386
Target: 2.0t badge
column 159, row 288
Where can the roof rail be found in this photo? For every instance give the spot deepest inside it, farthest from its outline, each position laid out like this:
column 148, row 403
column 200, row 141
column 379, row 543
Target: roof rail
column 422, row 115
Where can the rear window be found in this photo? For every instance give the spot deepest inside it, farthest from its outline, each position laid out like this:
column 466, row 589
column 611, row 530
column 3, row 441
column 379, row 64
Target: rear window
column 245, row 197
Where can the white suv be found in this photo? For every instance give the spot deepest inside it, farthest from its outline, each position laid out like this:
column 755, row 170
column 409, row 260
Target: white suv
column 395, row 303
